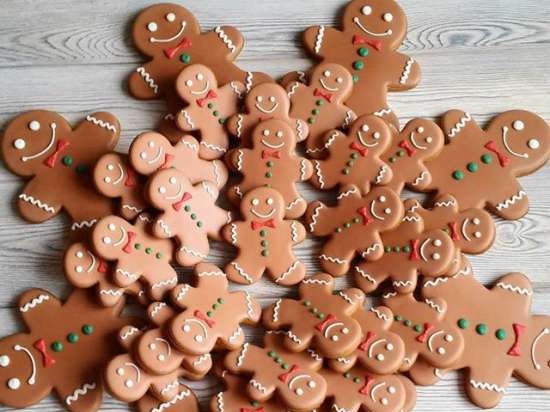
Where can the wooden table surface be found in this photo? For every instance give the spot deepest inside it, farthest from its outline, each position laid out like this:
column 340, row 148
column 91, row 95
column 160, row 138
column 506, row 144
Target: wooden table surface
column 73, row 56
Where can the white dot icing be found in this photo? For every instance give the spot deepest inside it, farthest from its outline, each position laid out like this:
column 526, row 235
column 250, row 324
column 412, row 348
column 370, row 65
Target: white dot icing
column 120, row 371
column 34, row 125
column 79, row 269
column 299, row 391
column 107, row 179
column 111, row 227
column 152, row 27
column 366, row 10
column 518, row 125
column 311, row 384
column 170, row 17
column 129, row 383
column 79, row 254
column 4, row 360
column 388, row 17
column 533, row 144
column 107, row 240
column 14, row 384
column 436, row 256
column 19, row 144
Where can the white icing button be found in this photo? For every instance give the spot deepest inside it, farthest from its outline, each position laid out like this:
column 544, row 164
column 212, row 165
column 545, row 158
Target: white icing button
column 387, row 211
column 143, row 155
column 420, row 129
column 161, row 358
column 4, row 360
column 376, row 135
column 429, row 139
column 255, row 201
column 437, row 243
column 120, row 371
column 152, row 27
column 518, row 125
column 198, row 338
column 34, row 126
column 476, row 221
column 19, row 144
column 79, row 254
column 79, row 269
column 170, row 17
column 533, row 144
column 384, row 401
column 449, row 338
column 436, row 256
column 345, row 331
column 107, row 240
column 389, row 347
column 129, row 383
column 269, row 201
column 186, row 328
column 365, row 128
column 14, row 384
column 107, row 179
column 111, row 227
column 335, row 338
column 266, row 132
column 152, row 346
column 110, row 167
column 151, row 144
column 339, row 80
column 388, row 17
column 279, row 134
column 366, row 10
column 380, row 357
column 477, row 235
column 382, row 198
column 311, row 384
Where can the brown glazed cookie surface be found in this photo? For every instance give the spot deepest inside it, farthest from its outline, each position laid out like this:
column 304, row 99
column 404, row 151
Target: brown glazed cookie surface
column 42, row 147
column 271, row 161
column 184, row 401
column 372, row 30
column 353, row 225
column 170, row 35
column 319, row 319
column 355, row 158
column 265, row 240
column 479, row 167
column 65, row 348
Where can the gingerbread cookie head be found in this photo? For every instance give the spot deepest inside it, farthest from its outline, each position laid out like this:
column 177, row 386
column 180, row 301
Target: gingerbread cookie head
column 150, row 152
column 274, row 135
column 433, row 250
column 536, row 370
column 162, row 26
column 113, row 176
column 268, row 100
column 169, row 189
column 370, row 134
column 112, row 236
column 422, row 136
column 196, row 82
column 332, row 80
column 124, row 378
column 380, row 21
column 263, row 203
column 82, row 267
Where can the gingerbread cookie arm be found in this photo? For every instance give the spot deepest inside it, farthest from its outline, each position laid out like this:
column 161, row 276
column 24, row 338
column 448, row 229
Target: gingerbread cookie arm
column 230, row 232
column 239, row 125
column 516, row 290
column 217, row 217
column 424, row 374
column 236, row 159
column 103, row 127
column 37, row 203
column 85, row 398
column 456, row 123
column 304, row 169
column 320, row 219
column 296, row 231
column 35, row 305
column 510, row 202
column 185, row 401
column 246, row 304
column 301, row 128
column 320, row 41
column 407, row 74
column 128, row 335
column 186, row 119
column 347, row 115
column 226, row 41
column 281, row 314
column 369, row 275
column 143, row 83
column 159, row 313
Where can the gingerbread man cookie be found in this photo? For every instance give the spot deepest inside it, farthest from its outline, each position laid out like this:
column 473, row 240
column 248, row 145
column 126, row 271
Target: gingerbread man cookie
column 42, row 147
column 381, row 351
column 84, row 269
column 263, row 102
column 501, row 336
column 353, row 225
column 355, row 158
column 479, row 167
column 152, row 151
column 407, row 251
column 139, row 256
column 425, row 329
column 189, row 214
column 261, row 238
column 170, row 35
column 272, row 162
column 211, row 315
column 420, row 141
column 275, row 369
column 321, row 103
column 372, row 30
column 319, row 319
column 115, row 178
column 64, row 350
column 207, row 108
column 184, row 401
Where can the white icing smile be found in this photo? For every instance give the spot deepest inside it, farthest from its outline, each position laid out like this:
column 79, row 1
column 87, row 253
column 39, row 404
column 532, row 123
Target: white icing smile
column 508, row 147
column 373, row 212
column 157, row 157
column 267, row 111
column 92, row 264
column 187, row 328
column 46, row 149
column 415, row 143
column 311, row 383
column 122, row 237
column 178, row 193
column 541, row 335
column 363, row 142
column 422, row 249
column 168, row 40
column 161, row 357
column 118, row 179
column 261, row 215
column 374, row 389
column 388, row 32
column 373, row 346
column 203, row 91
column 330, row 89
column 32, row 377
column 272, row 146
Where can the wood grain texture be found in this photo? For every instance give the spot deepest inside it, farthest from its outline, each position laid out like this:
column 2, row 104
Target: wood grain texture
column 73, row 56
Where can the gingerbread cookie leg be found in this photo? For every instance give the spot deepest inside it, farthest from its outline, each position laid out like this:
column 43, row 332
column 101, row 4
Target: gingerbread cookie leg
column 85, row 398
column 287, row 270
column 486, row 388
column 333, row 260
column 184, row 401
column 424, row 374
column 509, row 201
column 37, row 202
column 243, row 270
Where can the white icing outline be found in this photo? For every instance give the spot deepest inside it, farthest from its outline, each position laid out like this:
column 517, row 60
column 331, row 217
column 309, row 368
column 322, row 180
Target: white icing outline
column 543, row 333
column 36, row 202
column 34, row 302
column 19, row 348
column 83, row 390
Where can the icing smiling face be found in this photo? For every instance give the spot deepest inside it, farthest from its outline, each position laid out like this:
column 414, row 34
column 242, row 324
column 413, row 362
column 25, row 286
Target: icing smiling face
column 126, row 380
column 423, row 136
column 371, row 133
column 193, row 331
column 160, row 27
column 439, row 343
column 170, row 189
column 112, row 235
column 111, row 175
column 476, row 231
column 274, row 136
column 332, row 81
column 383, row 207
column 263, row 203
column 434, row 249
column 196, row 82
column 385, row 392
column 269, row 100
column 298, row 385
column 377, row 20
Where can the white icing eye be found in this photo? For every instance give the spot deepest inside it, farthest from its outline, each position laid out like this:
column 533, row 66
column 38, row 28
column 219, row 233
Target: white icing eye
column 429, row 139
column 380, row 357
column 272, row 99
column 189, row 83
column 437, row 243
column 151, row 144
column 449, row 338
column 259, row 99
column 107, row 240
column 420, row 129
column 14, row 384
column 436, row 256
column 79, row 254
column 327, row 73
column 392, row 390
column 279, row 134
column 311, row 384
column 198, row 338
column 477, row 235
column 110, row 167
column 345, row 331
column 299, row 391
column 170, row 17
column 339, row 80
column 152, row 346
column 112, row 227
column 34, row 125
column 4, row 360
column 387, row 211
column 365, row 128
column 441, row 351
column 19, row 144
column 533, row 144
column 143, row 155
column 107, row 179
column 200, row 76
column 161, row 358
column 389, row 347
column 266, row 133
column 376, row 135
column 476, row 221
column 255, row 201
column 382, row 198
column 388, row 17
column 79, row 269
column 173, row 180
column 129, row 383
column 120, row 372
column 162, row 190
column 518, row 125
column 366, row 10
column 186, row 328
column 270, row 201
column 384, row 401
column 335, row 338
column 152, row 27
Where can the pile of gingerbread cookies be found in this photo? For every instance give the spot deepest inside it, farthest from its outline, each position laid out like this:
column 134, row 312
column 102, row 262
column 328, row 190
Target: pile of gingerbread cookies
column 137, row 216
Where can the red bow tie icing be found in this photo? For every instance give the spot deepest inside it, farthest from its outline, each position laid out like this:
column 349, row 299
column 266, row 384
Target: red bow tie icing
column 130, row 244
column 502, row 158
column 403, row 144
column 414, row 249
column 51, row 160
column 167, row 161
column 210, row 95
column 256, row 224
column 286, row 376
column 102, row 268
column 453, row 227
column 130, row 177
column 172, row 51
column 364, row 346
column 423, row 337
column 324, row 324
column 362, row 150
column 177, row 206
column 210, row 322
column 47, row 360
column 375, row 44
column 364, row 213
column 326, row 96
column 365, row 389
column 260, row 409
column 266, row 154
column 519, row 330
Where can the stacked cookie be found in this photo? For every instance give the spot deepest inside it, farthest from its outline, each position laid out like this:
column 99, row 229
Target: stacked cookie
column 138, row 216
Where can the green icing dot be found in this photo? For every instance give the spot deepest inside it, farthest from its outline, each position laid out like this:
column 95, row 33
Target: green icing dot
column 255, row 404
column 396, row 249
column 500, row 334
column 81, row 169
column 418, row 328
column 358, row 65
column 263, row 243
column 482, row 329
column 347, row 225
column 269, row 164
column 321, row 315
column 398, row 318
column 472, row 167
column 407, row 323
column 265, row 252
column 319, row 102
column 315, row 112
column 215, row 306
column 210, row 105
column 271, row 354
column 148, row 250
column 354, row 155
column 401, row 153
column 269, row 175
column 57, row 346
column 346, row 171
column 285, row 366
column 209, row 313
column 185, row 58
column 387, row 249
column 72, row 337
column 347, row 375
column 458, row 175
column 357, row 380
column 407, row 249
column 356, row 220
column 307, row 303
column 216, row 113
column 338, row 229
column 193, row 216
column 355, row 78
column 158, row 255
column 311, row 120
column 487, row 159
column 314, row 310
column 363, row 52
column 67, row 160
column 87, row 329
column 393, row 160
column 137, row 246
column 263, row 233
column 350, row 163
column 278, row 359
column 187, row 208
column 463, row 323
column 220, row 300
column 199, row 224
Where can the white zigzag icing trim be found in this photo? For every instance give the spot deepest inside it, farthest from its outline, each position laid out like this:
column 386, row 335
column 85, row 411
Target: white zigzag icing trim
column 349, row 119
column 294, row 203
column 233, row 234
column 511, row 200
column 414, row 207
column 242, row 354
column 287, row 272
column 131, row 331
column 190, row 145
column 383, row 170
column 347, row 193
column 303, row 169
column 293, row 337
column 486, row 386
column 276, row 309
column 319, row 39
column 201, row 359
column 148, row 79
column 187, row 118
column 406, row 71
column 433, row 305
column 389, row 295
column 216, row 172
column 213, row 273
column 183, row 291
column 209, row 190
column 294, row 231
column 226, row 40
column 235, row 334
column 437, row 373
column 37, row 202
column 300, row 130
column 165, row 228
column 83, row 390
column 258, row 386
column 219, row 400
column 169, row 116
column 34, row 302
column 410, row 218
column 315, row 216
column 345, row 361
column 293, row 89
column 236, row 90
column 436, row 282
column 333, row 259
column 169, row 387
column 329, row 143
column 401, row 283
column 371, row 249
column 240, row 119
column 241, row 272
column 158, row 306
column 101, row 123
column 110, row 292
column 164, row 283
column 316, row 281
column 132, row 208
column 129, row 275
column 365, row 275
column 85, row 223
column 249, row 305
column 314, row 355
column 345, row 297
column 240, row 155
column 460, row 125
column 238, row 192
column 379, row 314
column 317, row 166
column 213, row 147
column 301, row 76
column 420, row 178
column 383, row 112
column 336, row 408
column 177, row 398
column 248, row 81
column 516, row 289
column 448, row 203
column 192, row 252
